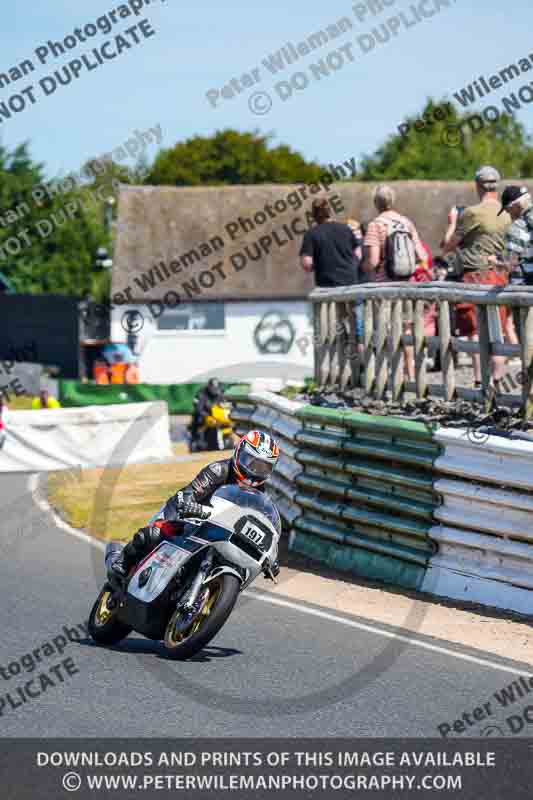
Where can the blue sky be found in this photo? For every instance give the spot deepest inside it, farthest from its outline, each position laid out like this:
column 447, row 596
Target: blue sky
column 202, row 46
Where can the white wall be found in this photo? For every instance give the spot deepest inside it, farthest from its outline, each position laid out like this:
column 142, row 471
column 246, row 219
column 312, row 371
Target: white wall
column 93, row 436
column 230, row 354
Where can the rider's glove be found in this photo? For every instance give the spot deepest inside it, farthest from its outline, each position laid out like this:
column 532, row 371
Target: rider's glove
column 174, row 507
column 272, row 569
column 180, row 507
column 192, row 509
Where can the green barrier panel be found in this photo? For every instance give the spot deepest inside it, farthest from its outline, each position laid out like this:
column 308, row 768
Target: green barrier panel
column 365, row 563
column 362, row 516
column 238, row 393
column 178, row 396
column 387, row 451
column 349, row 492
column 365, row 494
column 364, row 539
column 396, row 477
column 393, row 427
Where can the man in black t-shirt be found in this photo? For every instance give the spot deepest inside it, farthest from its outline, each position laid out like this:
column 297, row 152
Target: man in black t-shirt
column 329, row 249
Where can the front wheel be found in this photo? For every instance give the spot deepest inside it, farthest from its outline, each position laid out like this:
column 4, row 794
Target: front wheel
column 104, row 627
column 220, row 596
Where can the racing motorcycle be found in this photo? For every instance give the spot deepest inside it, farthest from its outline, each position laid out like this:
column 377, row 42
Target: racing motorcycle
column 215, row 432
column 185, row 589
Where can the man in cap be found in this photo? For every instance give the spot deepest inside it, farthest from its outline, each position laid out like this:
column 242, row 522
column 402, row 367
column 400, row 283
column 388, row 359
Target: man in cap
column 478, row 239
column 518, row 254
column 480, row 231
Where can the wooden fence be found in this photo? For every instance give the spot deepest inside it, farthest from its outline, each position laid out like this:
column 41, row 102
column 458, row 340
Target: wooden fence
column 380, row 368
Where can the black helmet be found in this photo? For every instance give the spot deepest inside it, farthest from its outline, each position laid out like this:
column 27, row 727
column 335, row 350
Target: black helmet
column 213, row 388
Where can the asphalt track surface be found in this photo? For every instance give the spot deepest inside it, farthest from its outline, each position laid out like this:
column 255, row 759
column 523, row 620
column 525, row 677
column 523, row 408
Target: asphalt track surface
column 274, row 670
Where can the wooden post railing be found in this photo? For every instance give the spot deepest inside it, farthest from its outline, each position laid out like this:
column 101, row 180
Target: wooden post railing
column 377, row 366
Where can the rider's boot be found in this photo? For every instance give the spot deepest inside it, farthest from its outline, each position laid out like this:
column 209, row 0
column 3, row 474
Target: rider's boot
column 142, row 543
column 126, row 559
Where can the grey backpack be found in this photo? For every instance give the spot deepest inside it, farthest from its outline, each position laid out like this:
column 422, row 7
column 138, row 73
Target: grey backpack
column 400, row 251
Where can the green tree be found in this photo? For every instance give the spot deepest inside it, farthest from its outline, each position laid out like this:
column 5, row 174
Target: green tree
column 47, row 241
column 231, row 157
column 451, row 148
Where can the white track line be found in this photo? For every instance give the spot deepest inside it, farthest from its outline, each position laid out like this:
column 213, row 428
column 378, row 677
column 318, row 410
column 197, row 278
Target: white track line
column 351, row 623
column 303, row 609
column 44, row 505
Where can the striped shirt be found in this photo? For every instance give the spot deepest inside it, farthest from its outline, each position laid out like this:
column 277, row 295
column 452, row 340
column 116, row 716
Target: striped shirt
column 519, row 246
column 376, row 236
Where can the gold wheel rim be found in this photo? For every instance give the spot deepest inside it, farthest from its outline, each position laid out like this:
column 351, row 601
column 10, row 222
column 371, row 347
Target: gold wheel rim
column 103, row 613
column 174, row 639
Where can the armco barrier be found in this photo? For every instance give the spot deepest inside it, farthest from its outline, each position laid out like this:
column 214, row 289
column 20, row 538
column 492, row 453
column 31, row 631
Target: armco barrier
column 484, row 526
column 357, row 490
column 96, row 436
column 392, row 500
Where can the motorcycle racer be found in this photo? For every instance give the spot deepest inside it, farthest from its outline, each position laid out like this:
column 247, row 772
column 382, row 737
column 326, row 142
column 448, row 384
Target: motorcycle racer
column 252, row 463
column 204, row 400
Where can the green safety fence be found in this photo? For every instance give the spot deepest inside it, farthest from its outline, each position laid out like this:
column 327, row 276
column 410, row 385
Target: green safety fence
column 178, row 396
column 360, row 488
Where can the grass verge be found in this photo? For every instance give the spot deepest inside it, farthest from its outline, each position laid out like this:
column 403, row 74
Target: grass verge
column 113, row 503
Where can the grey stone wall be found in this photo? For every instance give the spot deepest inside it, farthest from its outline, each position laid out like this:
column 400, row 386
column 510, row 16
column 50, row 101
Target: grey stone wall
column 189, row 241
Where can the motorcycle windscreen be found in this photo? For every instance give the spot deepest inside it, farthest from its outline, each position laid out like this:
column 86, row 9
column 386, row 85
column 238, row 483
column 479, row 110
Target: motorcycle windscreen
column 154, row 574
column 251, row 500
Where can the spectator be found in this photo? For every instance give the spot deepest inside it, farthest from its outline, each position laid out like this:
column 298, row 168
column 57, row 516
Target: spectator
column 359, row 230
column 518, row 253
column 375, row 253
column 476, row 237
column 4, row 412
column 332, row 250
column 329, row 249
column 424, row 273
column 455, row 217
column 45, row 400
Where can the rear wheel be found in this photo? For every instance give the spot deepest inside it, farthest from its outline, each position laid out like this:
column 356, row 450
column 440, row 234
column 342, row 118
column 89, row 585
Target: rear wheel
column 184, row 638
column 104, row 627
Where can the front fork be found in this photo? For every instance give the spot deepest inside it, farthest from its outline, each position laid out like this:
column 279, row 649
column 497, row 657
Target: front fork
column 189, row 602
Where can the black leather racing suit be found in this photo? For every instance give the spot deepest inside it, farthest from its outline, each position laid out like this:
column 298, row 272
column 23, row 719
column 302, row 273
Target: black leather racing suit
column 199, row 490
column 203, row 403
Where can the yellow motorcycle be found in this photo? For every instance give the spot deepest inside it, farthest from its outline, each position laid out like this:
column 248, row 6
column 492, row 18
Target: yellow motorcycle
column 216, row 431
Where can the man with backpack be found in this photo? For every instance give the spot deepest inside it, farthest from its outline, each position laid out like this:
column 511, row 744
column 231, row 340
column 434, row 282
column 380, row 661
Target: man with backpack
column 392, row 251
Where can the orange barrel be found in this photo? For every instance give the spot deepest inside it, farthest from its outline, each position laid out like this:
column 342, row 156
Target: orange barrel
column 101, row 373
column 118, row 372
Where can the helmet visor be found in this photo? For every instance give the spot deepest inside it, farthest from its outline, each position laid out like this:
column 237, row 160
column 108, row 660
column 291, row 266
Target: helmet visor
column 255, row 466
